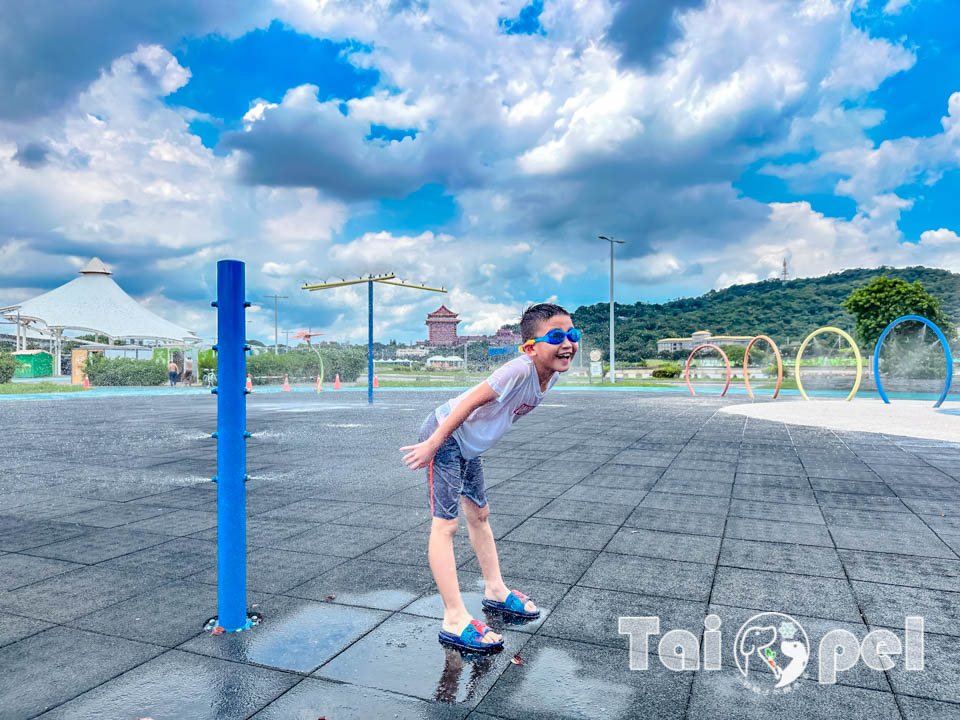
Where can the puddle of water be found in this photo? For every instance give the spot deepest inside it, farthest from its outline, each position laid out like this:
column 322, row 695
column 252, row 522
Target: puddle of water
column 383, row 599
column 300, row 640
column 403, row 655
column 553, row 682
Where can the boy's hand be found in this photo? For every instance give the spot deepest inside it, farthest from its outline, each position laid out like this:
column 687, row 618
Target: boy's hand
column 420, row 454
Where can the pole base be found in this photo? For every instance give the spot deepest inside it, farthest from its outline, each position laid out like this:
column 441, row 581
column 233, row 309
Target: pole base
column 253, row 619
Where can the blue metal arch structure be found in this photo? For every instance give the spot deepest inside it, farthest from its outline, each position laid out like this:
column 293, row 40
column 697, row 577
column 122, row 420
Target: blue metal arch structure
column 943, row 343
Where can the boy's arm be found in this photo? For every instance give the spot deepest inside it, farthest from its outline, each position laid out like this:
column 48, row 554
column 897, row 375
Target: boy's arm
column 421, row 454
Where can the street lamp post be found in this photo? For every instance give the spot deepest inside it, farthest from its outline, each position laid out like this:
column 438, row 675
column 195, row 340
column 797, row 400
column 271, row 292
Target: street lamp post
column 613, row 370
column 276, row 327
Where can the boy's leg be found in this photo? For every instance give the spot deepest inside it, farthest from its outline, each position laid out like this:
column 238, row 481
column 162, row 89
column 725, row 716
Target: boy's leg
column 445, row 485
column 481, row 537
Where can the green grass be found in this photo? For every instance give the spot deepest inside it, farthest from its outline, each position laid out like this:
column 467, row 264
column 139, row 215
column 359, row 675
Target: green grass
column 40, row 387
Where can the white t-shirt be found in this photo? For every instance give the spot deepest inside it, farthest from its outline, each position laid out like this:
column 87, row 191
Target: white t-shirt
column 518, row 392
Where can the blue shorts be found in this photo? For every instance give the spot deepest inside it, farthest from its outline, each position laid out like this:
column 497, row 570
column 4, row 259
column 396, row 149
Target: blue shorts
column 450, row 476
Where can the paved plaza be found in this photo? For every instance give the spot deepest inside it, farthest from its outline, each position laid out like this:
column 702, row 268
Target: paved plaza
column 604, row 504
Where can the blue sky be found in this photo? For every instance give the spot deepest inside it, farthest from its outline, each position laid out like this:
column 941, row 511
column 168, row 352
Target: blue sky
column 477, row 145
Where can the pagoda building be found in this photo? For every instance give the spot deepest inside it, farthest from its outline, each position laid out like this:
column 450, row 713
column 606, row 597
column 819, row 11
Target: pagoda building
column 442, row 326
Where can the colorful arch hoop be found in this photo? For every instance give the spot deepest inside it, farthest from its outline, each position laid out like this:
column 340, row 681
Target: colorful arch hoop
column 686, row 371
column 943, row 343
column 845, row 336
column 746, row 360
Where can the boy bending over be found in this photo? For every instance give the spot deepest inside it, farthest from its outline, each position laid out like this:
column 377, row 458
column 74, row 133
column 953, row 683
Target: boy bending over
column 451, row 441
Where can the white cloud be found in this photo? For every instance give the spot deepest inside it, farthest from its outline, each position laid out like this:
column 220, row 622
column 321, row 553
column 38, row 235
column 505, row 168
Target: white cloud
column 939, row 237
column 894, row 7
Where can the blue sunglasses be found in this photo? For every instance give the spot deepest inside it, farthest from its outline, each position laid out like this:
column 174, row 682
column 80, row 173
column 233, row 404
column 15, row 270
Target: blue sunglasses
column 556, row 336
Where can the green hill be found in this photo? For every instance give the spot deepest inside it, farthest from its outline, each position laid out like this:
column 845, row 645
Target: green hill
column 787, row 312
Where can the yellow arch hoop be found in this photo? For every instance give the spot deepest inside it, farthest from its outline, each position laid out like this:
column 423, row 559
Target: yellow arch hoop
column 746, row 359
column 845, row 336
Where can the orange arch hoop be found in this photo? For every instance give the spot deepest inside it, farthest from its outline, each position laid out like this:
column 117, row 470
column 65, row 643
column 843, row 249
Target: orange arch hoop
column 746, row 360
column 686, row 371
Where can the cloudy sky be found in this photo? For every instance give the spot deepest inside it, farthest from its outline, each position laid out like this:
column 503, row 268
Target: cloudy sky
column 481, row 145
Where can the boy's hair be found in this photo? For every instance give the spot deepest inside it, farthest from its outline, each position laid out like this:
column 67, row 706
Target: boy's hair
column 536, row 314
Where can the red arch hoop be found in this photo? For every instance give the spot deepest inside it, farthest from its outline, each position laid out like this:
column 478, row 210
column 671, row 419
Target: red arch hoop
column 746, row 360
column 686, row 371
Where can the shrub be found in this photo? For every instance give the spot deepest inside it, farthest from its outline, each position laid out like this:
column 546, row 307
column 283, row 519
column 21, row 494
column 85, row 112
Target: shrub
column 349, row 363
column 666, row 371
column 771, row 371
column 8, row 366
column 105, row 371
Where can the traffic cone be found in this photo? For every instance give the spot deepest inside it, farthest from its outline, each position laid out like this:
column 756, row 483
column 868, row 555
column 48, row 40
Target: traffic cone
column 286, row 383
column 86, row 382
column 376, row 383
column 249, row 383
column 318, row 384
column 336, row 382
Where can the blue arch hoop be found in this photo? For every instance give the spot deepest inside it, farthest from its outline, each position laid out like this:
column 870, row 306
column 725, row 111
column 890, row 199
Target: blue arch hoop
column 943, row 343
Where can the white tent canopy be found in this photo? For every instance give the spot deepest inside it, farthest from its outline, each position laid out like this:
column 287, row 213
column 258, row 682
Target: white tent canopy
column 95, row 303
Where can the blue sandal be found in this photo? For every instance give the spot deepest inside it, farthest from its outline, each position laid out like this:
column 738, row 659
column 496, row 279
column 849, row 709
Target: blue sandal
column 512, row 606
column 470, row 638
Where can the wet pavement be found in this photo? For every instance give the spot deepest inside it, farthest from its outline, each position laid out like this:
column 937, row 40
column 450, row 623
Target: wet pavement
column 604, row 505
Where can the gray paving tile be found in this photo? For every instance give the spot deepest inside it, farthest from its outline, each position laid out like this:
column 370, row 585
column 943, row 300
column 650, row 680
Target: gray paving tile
column 694, row 523
column 539, row 562
column 272, row 570
column 176, row 558
column 404, row 656
column 774, row 556
column 78, row 660
column 180, row 685
column 16, row 627
column 410, row 548
column 77, row 592
column 667, row 545
column 343, row 540
column 650, row 576
column 17, row 570
column 167, row 615
column 177, row 522
column 562, row 679
column 314, row 698
column 613, row 496
column 385, row 586
column 723, row 696
column 733, row 618
column 688, row 503
column 924, row 544
column 940, row 677
column 297, row 635
column 923, row 709
column 933, row 573
column 562, row 533
column 777, row 530
column 110, row 515
column 99, row 545
column 772, row 511
column 888, row 605
column 591, row 512
column 782, row 592
column 28, row 534
column 592, row 615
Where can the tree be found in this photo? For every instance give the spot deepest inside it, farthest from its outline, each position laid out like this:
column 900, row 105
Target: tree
column 734, row 353
column 885, row 299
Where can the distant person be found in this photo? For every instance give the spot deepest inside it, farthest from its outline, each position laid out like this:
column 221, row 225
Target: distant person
column 451, row 441
column 188, row 371
column 173, row 370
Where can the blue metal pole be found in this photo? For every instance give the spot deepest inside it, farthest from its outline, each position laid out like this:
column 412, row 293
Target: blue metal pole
column 231, row 449
column 370, row 342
